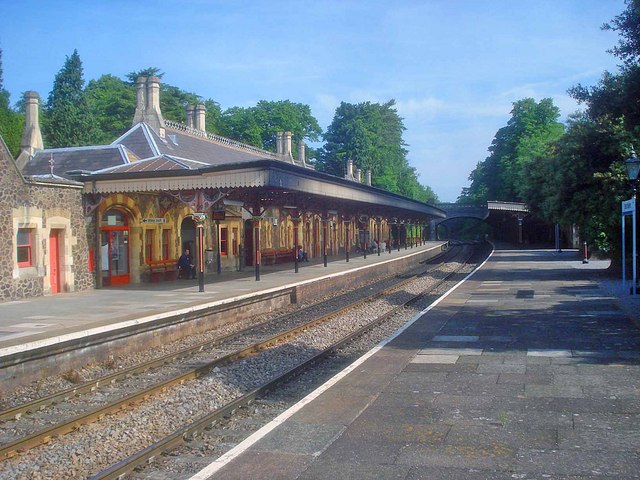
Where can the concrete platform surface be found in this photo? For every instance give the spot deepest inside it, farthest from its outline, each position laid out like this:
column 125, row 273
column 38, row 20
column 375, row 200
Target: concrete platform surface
column 527, row 370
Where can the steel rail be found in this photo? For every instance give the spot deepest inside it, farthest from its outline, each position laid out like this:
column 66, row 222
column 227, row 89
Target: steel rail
column 92, row 385
column 189, row 432
column 46, row 435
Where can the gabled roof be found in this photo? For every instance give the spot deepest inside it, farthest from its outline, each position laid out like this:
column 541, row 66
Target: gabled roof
column 140, row 140
column 181, row 148
column 186, row 143
column 87, row 159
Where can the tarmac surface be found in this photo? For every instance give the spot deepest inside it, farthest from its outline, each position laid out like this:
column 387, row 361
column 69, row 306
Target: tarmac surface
column 529, row 369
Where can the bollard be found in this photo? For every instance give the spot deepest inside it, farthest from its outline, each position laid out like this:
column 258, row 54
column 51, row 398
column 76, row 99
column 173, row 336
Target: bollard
column 586, row 254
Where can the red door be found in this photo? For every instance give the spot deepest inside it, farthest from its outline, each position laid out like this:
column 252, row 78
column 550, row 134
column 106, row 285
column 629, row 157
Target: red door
column 54, row 262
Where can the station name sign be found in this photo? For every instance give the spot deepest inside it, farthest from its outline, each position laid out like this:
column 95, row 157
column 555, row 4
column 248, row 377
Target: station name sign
column 154, row 220
column 628, row 207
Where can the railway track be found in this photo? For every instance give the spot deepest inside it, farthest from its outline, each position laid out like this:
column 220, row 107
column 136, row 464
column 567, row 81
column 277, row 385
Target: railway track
column 230, row 352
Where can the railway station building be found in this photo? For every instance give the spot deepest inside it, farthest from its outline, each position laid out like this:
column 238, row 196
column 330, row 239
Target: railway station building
column 109, row 215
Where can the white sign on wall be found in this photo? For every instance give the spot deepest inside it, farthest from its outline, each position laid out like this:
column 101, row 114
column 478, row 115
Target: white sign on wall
column 154, row 220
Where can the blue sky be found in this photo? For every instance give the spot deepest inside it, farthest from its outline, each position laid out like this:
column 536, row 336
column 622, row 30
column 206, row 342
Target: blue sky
column 454, row 67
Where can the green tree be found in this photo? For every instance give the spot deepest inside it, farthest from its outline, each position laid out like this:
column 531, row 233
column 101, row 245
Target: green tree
column 590, row 165
column 112, row 102
column 174, row 100
column 213, row 116
column 627, row 24
column 285, row 115
column 240, row 124
column 258, row 125
column 616, row 97
column 68, row 121
column 370, row 134
column 514, row 152
column 4, row 95
column 145, row 72
column 11, row 122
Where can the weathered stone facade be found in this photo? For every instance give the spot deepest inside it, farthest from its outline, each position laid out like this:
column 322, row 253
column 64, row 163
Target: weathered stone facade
column 42, row 206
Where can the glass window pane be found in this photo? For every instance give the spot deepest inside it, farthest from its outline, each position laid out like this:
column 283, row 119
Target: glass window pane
column 24, row 236
column 23, row 254
column 114, row 218
column 165, row 243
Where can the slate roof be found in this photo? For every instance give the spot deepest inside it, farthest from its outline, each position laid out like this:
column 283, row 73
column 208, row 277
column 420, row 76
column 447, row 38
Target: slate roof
column 154, row 164
column 138, row 139
column 180, row 149
column 87, row 159
column 179, row 144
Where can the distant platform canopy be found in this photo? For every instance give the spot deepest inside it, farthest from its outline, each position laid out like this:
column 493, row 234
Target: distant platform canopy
column 507, row 206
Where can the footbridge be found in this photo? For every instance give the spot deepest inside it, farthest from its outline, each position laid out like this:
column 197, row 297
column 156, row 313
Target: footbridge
column 507, row 218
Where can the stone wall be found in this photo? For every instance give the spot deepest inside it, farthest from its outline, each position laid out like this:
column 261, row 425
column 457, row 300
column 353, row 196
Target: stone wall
column 43, row 205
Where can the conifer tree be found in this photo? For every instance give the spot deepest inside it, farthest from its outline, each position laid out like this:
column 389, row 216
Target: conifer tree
column 68, row 120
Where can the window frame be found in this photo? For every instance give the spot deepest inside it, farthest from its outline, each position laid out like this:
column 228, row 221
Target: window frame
column 149, row 237
column 29, row 247
column 224, row 241
column 234, row 241
column 166, row 242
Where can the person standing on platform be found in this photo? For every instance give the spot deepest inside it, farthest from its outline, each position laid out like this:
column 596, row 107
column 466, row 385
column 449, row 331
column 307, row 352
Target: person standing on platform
column 186, row 268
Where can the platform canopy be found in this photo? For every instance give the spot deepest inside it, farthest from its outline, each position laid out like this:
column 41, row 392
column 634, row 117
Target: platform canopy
column 185, row 159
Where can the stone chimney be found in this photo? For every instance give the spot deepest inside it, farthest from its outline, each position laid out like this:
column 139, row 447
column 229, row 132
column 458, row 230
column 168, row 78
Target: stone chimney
column 154, row 115
column 349, row 174
column 199, row 117
column 302, row 153
column 31, row 137
column 148, row 104
column 190, row 115
column 141, row 101
column 358, row 175
column 286, row 143
column 368, row 176
column 279, row 148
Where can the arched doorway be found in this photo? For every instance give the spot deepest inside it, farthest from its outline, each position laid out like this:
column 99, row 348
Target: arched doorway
column 188, row 238
column 114, row 254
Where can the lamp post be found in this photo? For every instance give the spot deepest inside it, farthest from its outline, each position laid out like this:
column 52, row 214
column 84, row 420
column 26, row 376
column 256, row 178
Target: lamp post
column 200, row 218
column 633, row 168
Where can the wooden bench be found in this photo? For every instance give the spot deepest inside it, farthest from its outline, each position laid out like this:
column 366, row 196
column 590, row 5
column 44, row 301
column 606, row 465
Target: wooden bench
column 272, row 256
column 268, row 256
column 162, row 270
column 285, row 255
